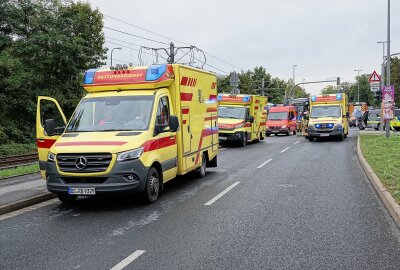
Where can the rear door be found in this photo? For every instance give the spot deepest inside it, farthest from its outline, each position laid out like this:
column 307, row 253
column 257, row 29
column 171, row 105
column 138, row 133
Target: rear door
column 47, row 108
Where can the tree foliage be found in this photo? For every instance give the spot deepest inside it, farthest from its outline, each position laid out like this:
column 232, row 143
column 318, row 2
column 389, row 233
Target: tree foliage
column 45, row 45
column 250, row 82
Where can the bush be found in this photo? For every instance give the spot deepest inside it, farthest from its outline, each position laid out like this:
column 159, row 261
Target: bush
column 13, row 149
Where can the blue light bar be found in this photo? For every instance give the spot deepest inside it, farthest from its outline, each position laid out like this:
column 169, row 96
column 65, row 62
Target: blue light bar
column 89, row 76
column 246, row 98
column 339, row 96
column 318, row 125
column 329, row 125
column 220, row 97
column 313, row 98
column 155, row 72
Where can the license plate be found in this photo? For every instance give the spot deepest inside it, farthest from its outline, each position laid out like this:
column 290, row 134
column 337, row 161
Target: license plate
column 324, row 135
column 81, row 191
column 223, row 138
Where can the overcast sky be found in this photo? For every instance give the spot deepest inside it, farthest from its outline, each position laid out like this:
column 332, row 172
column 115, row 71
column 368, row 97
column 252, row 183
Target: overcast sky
column 325, row 38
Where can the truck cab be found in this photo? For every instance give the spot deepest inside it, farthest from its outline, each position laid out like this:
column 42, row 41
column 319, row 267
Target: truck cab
column 281, row 120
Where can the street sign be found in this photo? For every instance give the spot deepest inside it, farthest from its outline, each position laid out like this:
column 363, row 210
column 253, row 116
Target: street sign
column 374, row 86
column 388, row 102
column 374, row 77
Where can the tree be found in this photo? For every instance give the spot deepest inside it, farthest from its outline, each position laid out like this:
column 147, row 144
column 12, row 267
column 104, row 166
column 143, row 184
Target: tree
column 330, row 89
column 365, row 90
column 44, row 48
column 395, row 78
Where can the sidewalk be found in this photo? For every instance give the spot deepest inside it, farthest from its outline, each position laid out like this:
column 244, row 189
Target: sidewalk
column 22, row 191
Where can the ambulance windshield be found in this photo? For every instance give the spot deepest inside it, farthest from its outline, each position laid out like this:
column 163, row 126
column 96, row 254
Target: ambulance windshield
column 231, row 112
column 325, row 111
column 112, row 114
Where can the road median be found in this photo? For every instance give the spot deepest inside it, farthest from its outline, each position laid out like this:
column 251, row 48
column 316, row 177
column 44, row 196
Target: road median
column 385, row 195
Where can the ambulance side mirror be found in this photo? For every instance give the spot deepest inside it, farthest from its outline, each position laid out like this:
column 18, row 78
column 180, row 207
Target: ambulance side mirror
column 250, row 119
column 50, row 127
column 173, row 123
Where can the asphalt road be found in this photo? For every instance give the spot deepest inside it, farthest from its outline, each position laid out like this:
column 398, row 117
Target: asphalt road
column 308, row 206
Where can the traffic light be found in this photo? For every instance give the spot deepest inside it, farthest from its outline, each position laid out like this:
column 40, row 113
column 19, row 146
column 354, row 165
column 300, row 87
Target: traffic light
column 338, row 81
column 377, row 97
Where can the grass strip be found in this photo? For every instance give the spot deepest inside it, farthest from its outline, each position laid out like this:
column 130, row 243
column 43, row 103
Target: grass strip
column 383, row 155
column 21, row 170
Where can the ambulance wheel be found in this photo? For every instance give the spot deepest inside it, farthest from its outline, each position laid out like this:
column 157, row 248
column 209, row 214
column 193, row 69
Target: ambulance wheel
column 341, row 137
column 268, row 135
column 287, row 133
column 152, row 188
column 310, row 138
column 201, row 171
column 294, row 132
column 67, row 199
column 261, row 137
column 244, row 140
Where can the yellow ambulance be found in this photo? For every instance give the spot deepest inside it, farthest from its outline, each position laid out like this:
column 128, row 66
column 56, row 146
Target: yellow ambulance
column 241, row 118
column 328, row 116
column 135, row 129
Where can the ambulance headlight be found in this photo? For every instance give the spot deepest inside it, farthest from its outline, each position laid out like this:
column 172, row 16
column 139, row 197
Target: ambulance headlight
column 51, row 156
column 131, row 154
column 239, row 125
column 283, row 126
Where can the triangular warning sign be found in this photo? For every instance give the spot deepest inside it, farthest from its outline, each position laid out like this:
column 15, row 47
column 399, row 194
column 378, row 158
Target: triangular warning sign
column 374, row 77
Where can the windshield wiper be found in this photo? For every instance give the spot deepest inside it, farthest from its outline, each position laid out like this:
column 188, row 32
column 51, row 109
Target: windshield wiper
column 112, row 129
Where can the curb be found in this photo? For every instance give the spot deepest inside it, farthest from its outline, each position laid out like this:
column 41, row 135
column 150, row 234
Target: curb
column 391, row 205
column 10, row 207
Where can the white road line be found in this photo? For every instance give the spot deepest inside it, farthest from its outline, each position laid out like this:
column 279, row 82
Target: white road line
column 297, row 142
column 213, row 200
column 222, row 149
column 124, row 263
column 265, row 163
column 285, row 149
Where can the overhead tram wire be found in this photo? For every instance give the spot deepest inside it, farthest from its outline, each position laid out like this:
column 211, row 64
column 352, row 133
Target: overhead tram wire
column 169, row 38
column 129, row 34
column 135, row 49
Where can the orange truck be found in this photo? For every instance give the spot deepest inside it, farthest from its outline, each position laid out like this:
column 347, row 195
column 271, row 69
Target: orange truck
column 281, row 120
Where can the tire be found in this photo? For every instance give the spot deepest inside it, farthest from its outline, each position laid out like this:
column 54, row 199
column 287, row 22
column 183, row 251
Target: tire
column 267, row 135
column 341, row 137
column 287, row 133
column 261, row 137
column 294, row 132
column 152, row 187
column 244, row 140
column 311, row 139
column 201, row 171
column 67, row 199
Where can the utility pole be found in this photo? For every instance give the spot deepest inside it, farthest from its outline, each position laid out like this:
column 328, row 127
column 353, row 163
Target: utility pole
column 263, row 87
column 358, row 84
column 171, row 58
column 388, row 66
column 382, row 83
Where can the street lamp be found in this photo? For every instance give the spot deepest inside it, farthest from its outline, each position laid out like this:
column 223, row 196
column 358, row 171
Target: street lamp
column 358, row 84
column 113, row 51
column 294, row 77
column 388, row 65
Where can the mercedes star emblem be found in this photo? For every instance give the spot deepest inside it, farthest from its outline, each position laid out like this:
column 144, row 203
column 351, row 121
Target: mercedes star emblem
column 80, row 163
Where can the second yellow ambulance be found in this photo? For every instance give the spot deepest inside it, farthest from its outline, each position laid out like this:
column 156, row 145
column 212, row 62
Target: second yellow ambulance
column 241, row 118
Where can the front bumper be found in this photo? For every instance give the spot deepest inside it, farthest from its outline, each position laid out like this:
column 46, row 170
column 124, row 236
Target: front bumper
column 115, row 181
column 235, row 136
column 276, row 130
column 325, row 133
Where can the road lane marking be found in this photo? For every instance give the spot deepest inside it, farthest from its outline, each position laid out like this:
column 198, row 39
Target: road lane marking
column 222, row 149
column 125, row 262
column 297, row 142
column 265, row 163
column 213, row 200
column 285, row 149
